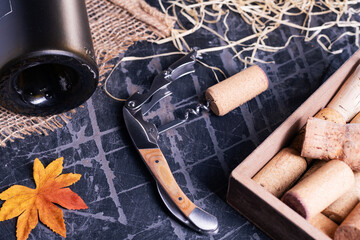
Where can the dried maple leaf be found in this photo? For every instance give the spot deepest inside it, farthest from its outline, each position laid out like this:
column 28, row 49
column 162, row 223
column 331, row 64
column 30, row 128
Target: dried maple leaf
column 34, row 204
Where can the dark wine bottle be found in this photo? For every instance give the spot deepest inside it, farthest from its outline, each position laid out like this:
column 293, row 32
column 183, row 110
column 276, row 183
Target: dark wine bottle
column 47, row 63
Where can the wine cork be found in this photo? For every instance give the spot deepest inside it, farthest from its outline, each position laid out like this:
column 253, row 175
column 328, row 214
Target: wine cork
column 314, row 166
column 323, row 139
column 351, row 148
column 326, row 140
column 356, row 119
column 350, row 228
column 339, row 209
column 327, row 114
column 236, row 90
column 347, row 99
column 281, row 172
column 316, row 192
column 324, row 224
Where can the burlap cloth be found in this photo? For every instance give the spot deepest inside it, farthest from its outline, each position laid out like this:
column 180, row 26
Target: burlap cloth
column 115, row 25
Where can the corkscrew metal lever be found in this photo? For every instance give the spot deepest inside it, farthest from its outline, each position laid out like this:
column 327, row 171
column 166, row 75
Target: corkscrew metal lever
column 145, row 135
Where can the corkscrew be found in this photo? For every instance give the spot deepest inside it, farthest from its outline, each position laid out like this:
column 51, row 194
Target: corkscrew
column 145, row 135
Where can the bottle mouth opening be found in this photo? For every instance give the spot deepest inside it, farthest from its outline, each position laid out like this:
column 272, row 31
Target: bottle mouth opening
column 46, row 84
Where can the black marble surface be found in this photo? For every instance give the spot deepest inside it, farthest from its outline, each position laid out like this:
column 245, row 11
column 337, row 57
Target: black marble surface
column 120, row 192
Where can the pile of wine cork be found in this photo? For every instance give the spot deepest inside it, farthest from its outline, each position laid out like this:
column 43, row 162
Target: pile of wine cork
column 325, row 192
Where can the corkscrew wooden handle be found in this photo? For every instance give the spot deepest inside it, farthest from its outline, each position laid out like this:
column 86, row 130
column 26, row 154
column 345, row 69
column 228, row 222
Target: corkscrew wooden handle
column 159, row 167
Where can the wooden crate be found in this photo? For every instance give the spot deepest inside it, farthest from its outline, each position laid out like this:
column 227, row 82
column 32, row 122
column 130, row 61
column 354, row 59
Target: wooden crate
column 257, row 204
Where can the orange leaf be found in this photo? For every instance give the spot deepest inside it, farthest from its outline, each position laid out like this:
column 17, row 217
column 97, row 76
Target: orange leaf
column 34, row 204
column 14, row 191
column 54, row 168
column 15, row 206
column 67, row 199
column 51, row 216
column 26, row 222
column 39, row 171
column 51, row 171
column 65, row 180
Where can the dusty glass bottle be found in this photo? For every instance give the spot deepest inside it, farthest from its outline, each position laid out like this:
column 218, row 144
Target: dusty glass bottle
column 47, row 62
